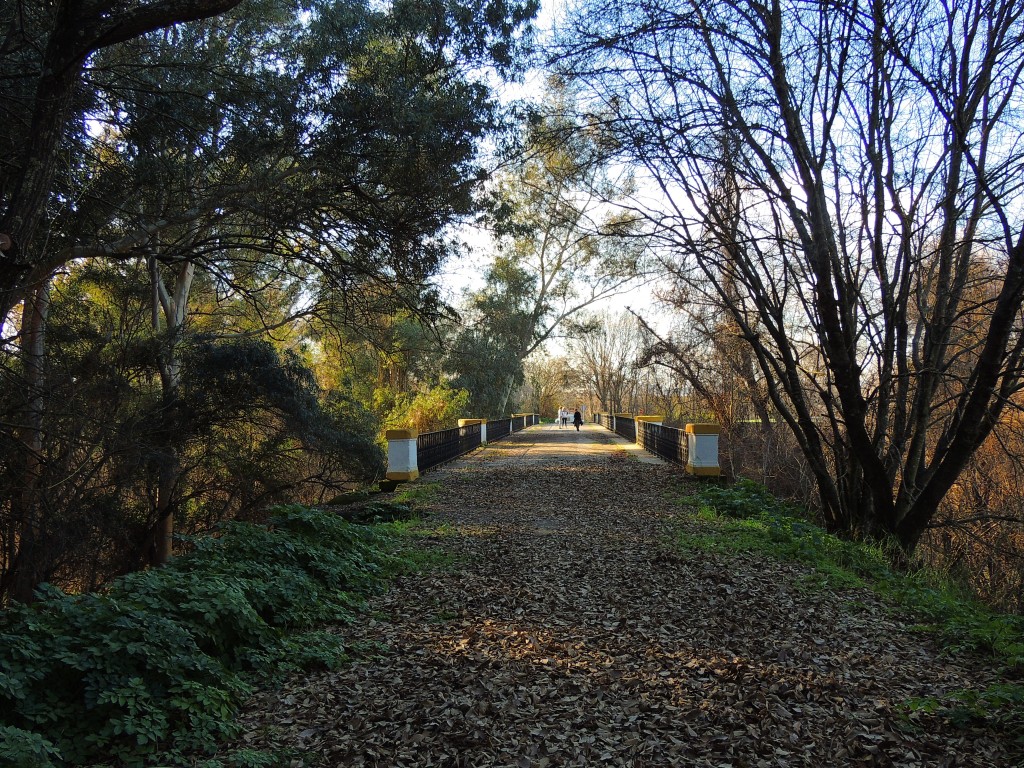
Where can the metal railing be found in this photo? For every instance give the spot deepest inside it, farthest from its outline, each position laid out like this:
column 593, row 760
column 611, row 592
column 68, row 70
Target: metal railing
column 433, row 448
column 626, row 427
column 667, row 442
column 498, row 428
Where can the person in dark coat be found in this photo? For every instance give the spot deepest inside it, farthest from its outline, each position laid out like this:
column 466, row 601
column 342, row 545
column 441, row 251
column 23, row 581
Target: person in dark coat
column 577, row 419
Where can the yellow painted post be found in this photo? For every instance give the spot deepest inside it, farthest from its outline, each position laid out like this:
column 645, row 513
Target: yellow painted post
column 702, row 445
column 402, row 460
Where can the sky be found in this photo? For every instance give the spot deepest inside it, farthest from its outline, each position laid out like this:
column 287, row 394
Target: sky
column 466, row 272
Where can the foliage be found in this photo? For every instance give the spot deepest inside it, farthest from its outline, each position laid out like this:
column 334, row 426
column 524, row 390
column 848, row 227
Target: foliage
column 159, row 661
column 417, row 493
column 25, row 749
column 428, row 410
column 250, row 427
column 559, row 251
column 486, row 357
column 253, row 183
column 1001, row 705
column 746, row 517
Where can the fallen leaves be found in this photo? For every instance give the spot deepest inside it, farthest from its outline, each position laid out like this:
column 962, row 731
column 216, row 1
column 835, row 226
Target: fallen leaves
column 566, row 635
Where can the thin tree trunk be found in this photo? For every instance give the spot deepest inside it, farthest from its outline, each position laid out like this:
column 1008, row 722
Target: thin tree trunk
column 28, row 568
column 173, row 307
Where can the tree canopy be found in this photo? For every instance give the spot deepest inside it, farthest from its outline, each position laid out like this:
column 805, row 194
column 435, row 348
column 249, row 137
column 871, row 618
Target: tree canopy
column 220, row 204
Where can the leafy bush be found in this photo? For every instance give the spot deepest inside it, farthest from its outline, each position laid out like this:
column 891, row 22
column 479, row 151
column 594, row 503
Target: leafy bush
column 25, row 749
column 429, row 409
column 99, row 674
column 159, row 662
column 755, row 519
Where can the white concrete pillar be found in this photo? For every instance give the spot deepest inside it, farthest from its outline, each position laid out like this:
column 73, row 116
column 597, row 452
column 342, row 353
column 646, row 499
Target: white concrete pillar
column 702, row 445
column 402, row 460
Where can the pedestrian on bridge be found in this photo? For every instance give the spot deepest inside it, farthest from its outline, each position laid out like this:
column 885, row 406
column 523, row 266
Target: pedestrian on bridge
column 577, row 419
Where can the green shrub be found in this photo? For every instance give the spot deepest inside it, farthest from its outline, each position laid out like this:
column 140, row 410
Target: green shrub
column 25, row 749
column 158, row 663
column 105, row 676
column 214, row 609
column 747, row 517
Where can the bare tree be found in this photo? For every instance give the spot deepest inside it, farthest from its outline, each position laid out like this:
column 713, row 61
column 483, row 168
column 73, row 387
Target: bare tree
column 547, row 384
column 844, row 180
column 604, row 352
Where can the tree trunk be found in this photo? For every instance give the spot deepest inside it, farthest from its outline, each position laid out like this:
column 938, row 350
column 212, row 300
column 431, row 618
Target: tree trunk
column 173, row 306
column 28, row 567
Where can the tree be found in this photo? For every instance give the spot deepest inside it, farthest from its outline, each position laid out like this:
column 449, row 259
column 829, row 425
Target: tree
column 852, row 172
column 604, row 351
column 44, row 54
column 293, row 162
column 248, row 426
column 487, row 353
column 547, row 384
column 705, row 350
column 550, row 213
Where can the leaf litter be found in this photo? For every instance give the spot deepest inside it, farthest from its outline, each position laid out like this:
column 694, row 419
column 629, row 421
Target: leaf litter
column 567, row 633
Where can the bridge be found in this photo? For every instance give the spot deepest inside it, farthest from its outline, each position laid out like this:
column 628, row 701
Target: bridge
column 695, row 447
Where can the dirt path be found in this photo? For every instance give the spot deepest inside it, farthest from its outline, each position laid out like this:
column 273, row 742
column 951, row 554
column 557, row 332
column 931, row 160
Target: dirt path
column 568, row 634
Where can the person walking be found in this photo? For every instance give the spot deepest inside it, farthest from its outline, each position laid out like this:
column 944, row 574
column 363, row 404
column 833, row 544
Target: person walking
column 577, row 419
column 561, row 416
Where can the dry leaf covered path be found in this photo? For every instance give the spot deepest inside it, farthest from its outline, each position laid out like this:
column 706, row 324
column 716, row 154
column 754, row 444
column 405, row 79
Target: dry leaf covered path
column 566, row 632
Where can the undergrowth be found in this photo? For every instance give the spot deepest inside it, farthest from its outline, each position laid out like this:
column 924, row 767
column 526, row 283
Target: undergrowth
column 152, row 670
column 745, row 517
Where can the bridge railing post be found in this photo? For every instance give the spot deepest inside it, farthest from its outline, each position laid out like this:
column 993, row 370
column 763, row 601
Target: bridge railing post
column 402, row 458
column 702, row 450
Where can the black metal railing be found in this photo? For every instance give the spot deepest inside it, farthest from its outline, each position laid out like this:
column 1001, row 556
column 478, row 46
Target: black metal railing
column 667, row 442
column 626, row 427
column 433, row 448
column 498, row 428
column 518, row 422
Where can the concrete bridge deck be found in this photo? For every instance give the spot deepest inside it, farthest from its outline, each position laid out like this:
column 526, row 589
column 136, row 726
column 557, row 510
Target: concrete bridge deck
column 550, row 443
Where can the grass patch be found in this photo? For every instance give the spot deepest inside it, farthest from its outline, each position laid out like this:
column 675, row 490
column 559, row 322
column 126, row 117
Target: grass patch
column 416, row 493
column 746, row 518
